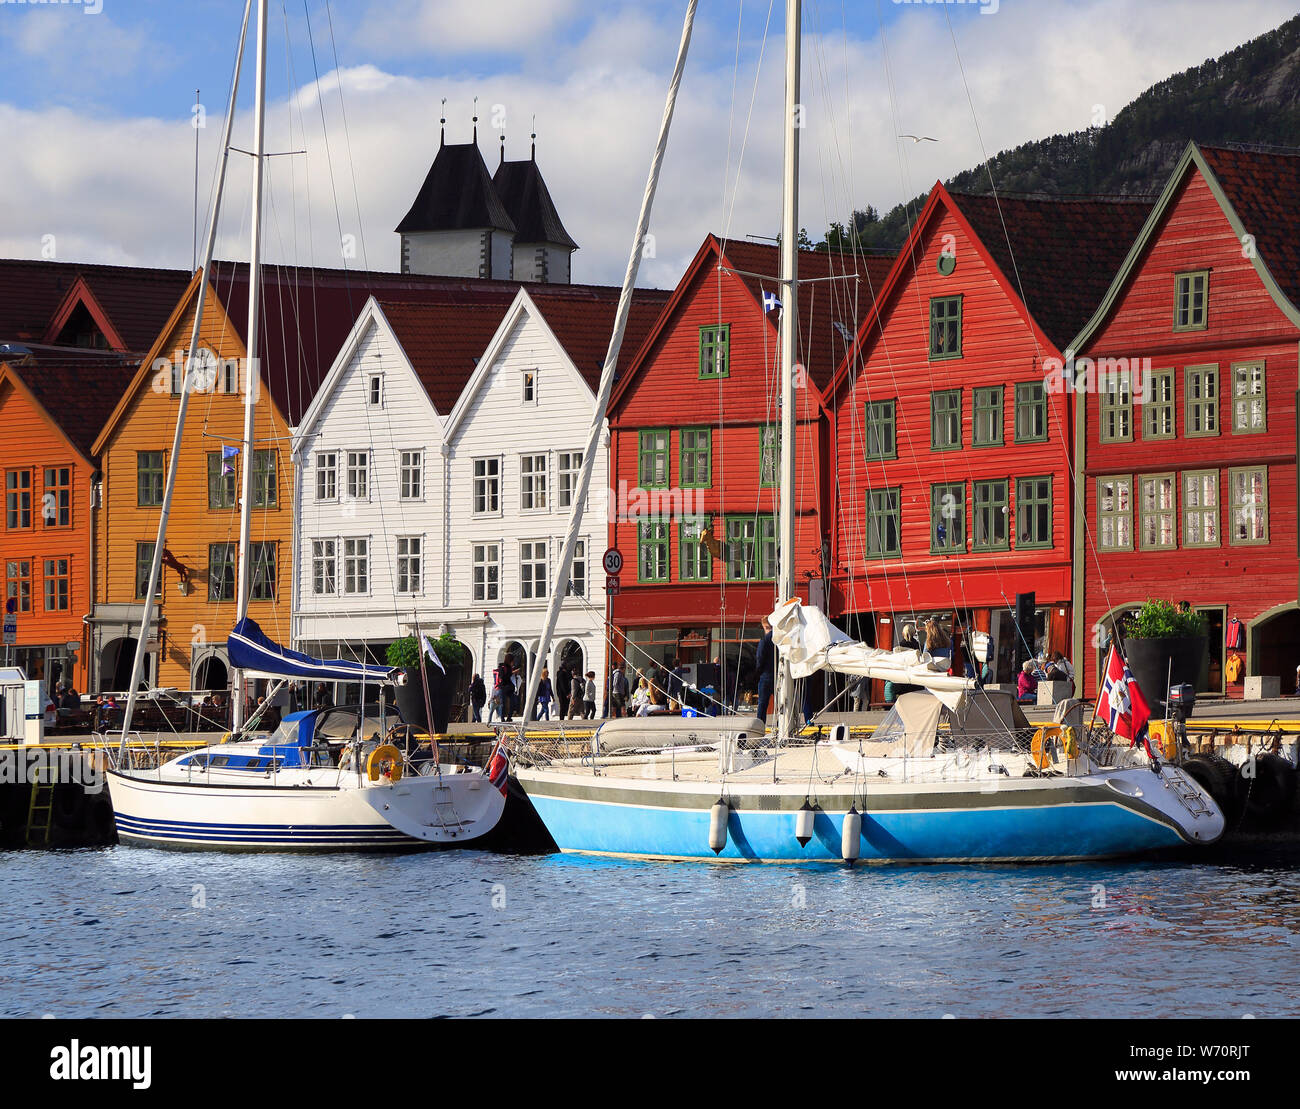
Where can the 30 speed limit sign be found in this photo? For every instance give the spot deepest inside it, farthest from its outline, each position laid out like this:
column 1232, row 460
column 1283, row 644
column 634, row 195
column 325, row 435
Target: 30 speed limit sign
column 612, row 561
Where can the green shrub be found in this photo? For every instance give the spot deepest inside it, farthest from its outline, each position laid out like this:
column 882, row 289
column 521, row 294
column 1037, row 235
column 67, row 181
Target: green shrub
column 1159, row 619
column 406, row 652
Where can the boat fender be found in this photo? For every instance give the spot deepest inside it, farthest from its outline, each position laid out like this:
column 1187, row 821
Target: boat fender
column 1070, row 742
column 803, row 823
column 719, row 815
column 384, row 761
column 851, row 836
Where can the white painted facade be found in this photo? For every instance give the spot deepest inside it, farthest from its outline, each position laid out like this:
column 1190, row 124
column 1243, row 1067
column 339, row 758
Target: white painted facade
column 479, row 252
column 542, row 262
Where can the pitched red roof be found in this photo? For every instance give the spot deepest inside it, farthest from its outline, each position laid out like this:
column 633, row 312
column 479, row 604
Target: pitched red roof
column 1059, row 253
column 584, row 324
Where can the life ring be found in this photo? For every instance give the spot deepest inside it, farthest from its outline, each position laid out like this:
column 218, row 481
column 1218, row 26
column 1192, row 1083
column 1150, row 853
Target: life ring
column 384, row 760
column 1042, row 749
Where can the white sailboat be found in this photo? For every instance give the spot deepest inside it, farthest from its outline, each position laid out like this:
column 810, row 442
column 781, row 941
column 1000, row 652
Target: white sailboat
column 953, row 774
column 329, row 779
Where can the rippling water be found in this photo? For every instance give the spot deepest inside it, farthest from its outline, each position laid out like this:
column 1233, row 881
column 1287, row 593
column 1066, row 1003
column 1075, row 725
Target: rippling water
column 130, row 932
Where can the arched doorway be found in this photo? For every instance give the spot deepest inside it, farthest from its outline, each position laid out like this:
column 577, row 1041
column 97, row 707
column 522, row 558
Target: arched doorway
column 1274, row 645
column 568, row 661
column 212, row 674
column 460, row 695
column 116, row 660
column 517, row 654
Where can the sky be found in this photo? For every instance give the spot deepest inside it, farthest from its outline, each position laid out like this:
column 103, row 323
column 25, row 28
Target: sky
column 98, row 111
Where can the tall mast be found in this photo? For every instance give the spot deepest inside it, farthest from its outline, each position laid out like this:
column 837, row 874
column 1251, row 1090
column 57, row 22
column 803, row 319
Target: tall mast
column 785, row 578
column 254, row 372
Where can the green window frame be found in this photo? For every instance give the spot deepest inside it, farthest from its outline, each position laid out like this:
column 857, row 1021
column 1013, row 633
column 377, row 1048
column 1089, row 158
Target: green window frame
column 222, row 491
column 945, row 328
column 263, row 585
column 1115, row 407
column 751, row 548
column 1249, row 399
column 1034, row 512
column 265, row 483
column 715, row 351
column 884, row 525
column 945, row 420
column 880, row 424
column 150, row 478
column 1248, row 499
column 1200, row 508
column 1191, row 300
column 652, row 550
column 652, row 458
column 221, row 571
column 987, row 416
column 1115, row 513
column 1201, row 396
column 1031, row 412
column 694, row 563
column 1158, row 406
column 1157, row 512
column 948, row 518
column 769, row 455
column 990, row 501
column 695, row 457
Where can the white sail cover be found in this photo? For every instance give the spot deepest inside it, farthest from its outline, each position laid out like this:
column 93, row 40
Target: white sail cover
column 809, row 642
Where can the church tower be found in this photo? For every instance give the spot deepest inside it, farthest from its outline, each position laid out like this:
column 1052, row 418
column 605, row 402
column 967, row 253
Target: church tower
column 543, row 249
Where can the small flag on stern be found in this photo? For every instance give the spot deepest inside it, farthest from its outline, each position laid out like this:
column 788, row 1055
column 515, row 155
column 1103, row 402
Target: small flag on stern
column 1122, row 704
column 228, row 456
column 498, row 764
column 771, row 301
column 428, row 649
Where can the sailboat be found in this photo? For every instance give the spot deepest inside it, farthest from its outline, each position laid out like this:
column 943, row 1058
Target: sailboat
column 954, row 773
column 352, row 778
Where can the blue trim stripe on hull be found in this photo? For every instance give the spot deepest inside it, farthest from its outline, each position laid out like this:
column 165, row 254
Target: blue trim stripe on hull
column 1075, row 831
column 140, row 830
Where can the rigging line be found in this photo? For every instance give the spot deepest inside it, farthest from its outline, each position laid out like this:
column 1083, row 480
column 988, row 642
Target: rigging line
column 347, row 137
column 729, row 219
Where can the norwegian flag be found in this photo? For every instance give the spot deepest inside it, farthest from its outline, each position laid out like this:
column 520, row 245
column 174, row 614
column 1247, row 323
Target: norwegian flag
column 498, row 764
column 1122, row 705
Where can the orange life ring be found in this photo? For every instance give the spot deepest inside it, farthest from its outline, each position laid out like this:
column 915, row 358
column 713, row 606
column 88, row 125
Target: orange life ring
column 384, row 759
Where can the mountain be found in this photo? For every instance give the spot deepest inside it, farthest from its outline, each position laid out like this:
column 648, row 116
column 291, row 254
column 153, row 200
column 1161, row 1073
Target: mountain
column 1250, row 95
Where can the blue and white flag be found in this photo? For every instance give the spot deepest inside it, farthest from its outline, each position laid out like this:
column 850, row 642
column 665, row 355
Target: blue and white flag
column 228, row 455
column 770, row 301
column 428, row 648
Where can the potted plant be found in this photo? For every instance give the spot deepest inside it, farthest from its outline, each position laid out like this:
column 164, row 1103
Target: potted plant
column 1164, row 644
column 444, row 684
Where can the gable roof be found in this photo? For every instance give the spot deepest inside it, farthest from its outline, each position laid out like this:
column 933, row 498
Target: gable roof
column 457, row 195
column 526, row 198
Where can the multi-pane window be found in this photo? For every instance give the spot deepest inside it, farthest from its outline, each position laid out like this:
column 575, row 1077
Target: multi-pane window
column 265, row 483
column 884, row 526
column 694, row 563
column 56, row 585
column 149, row 478
column 748, row 558
column 652, row 459
column 578, row 570
column 221, row 571
column 529, row 387
column 945, row 327
column 1158, row 406
column 327, row 475
column 358, row 475
column 1031, row 412
column 568, row 472
column 143, row 567
column 769, row 454
column 56, row 505
column 986, row 417
column 1249, row 403
column 411, row 475
column 948, row 517
column 881, row 429
column 1115, row 513
column 375, row 390
column 487, row 486
column 767, row 550
column 696, row 457
column 221, row 485
column 1033, row 512
column 1191, row 300
column 1202, row 400
column 532, row 481
column 18, row 499
column 487, row 572
column 262, row 557
column 945, row 420
column 409, row 561
column 652, row 550
column 324, row 567
column 532, row 570
column 1201, row 508
column 1157, row 512
column 18, row 584
column 715, row 352
column 1115, row 401
column 1248, row 489
column 989, row 513
column 356, row 565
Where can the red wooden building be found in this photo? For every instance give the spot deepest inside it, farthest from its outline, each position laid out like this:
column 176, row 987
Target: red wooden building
column 694, row 426
column 952, row 480
column 1188, row 434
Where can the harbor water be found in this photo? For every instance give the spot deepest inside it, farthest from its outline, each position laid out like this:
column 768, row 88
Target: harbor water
column 121, row 932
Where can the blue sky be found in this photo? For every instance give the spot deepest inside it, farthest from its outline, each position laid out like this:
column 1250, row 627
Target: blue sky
column 95, row 109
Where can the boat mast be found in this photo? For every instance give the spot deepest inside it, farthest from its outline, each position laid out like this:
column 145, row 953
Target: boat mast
column 253, row 375
column 155, row 567
column 785, row 543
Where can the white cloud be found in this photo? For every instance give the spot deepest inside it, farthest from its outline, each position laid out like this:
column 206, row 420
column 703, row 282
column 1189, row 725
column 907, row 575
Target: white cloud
column 451, row 27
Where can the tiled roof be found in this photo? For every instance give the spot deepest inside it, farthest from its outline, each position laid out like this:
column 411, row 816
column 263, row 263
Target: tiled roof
column 78, row 389
column 457, row 195
column 1264, row 190
column 526, row 198
column 1063, row 252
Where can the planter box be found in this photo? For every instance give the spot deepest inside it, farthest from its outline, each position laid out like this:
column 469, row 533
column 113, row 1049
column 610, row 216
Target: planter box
column 1160, row 663
column 410, row 697
column 1051, row 693
column 1261, row 687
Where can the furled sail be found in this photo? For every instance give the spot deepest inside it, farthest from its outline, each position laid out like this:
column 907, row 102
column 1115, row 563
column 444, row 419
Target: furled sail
column 252, row 651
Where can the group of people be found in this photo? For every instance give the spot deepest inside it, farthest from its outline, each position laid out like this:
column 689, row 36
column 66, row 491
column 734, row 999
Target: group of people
column 572, row 692
column 1045, row 668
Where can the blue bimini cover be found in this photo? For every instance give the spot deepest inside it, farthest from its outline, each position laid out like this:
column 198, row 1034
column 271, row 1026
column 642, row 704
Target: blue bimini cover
column 251, row 651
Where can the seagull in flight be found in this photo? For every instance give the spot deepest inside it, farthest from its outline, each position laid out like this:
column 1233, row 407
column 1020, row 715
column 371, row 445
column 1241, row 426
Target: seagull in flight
column 919, row 138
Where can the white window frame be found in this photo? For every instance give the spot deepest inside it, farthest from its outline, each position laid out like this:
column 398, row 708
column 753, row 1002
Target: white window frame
column 403, row 470
column 406, row 557
column 572, row 471
column 350, row 484
column 528, row 384
column 373, row 380
column 529, row 480
column 319, row 561
column 495, row 479
column 333, row 471
column 531, row 587
column 480, row 595
column 578, row 570
column 365, row 565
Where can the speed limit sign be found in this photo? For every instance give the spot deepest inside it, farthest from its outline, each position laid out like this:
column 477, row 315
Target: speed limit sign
column 612, row 561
